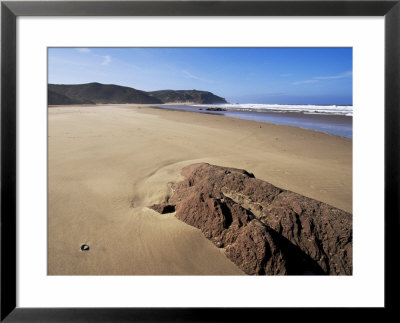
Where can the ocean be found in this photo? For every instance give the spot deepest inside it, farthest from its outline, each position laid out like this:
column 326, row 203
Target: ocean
column 332, row 119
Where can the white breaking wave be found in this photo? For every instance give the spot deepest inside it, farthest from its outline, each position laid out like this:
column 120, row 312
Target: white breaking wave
column 307, row 109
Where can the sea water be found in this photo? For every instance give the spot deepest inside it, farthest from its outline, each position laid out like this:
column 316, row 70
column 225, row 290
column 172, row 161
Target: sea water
column 336, row 120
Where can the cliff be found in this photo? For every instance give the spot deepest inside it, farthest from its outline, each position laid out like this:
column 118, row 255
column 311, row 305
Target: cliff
column 97, row 93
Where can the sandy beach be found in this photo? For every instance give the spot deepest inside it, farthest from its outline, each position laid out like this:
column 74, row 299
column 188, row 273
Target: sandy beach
column 106, row 164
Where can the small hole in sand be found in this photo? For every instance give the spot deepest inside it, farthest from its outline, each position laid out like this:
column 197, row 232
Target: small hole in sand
column 85, row 247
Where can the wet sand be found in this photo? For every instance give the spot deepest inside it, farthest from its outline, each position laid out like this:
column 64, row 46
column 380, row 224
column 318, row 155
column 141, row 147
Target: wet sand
column 339, row 125
column 107, row 163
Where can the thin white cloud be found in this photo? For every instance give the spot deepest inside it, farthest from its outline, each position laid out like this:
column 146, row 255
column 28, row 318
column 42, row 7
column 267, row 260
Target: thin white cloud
column 333, row 77
column 131, row 65
column 320, row 78
column 305, row 82
column 83, row 50
column 106, row 60
column 190, row 75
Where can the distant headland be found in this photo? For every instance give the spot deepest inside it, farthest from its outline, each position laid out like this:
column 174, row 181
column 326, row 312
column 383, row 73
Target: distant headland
column 97, row 93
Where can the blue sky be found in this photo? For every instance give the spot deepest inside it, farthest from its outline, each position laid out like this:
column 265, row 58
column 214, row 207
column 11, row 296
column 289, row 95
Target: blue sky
column 243, row 75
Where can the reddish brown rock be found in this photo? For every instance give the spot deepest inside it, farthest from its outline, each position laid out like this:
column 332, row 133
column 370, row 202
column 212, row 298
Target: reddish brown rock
column 264, row 229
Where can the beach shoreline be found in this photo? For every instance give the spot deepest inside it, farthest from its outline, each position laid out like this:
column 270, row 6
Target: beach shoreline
column 107, row 163
column 340, row 125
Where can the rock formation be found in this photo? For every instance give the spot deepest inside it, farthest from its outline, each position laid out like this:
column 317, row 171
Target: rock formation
column 187, row 96
column 97, row 93
column 263, row 229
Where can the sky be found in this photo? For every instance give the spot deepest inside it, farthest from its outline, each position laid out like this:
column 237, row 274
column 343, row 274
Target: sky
column 240, row 75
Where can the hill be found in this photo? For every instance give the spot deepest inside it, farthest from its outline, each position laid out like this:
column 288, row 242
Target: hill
column 202, row 97
column 102, row 93
column 54, row 98
column 97, row 93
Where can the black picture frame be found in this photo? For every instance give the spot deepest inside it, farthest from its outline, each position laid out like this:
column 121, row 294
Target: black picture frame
column 10, row 10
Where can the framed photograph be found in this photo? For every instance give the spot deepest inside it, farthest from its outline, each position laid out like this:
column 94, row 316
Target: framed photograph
column 198, row 160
